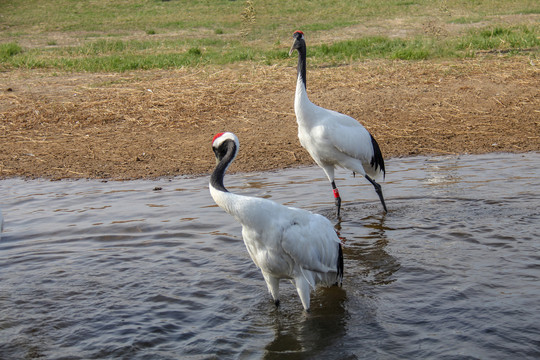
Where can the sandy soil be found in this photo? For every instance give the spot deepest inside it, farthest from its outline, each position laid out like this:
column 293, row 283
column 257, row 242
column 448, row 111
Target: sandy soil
column 160, row 123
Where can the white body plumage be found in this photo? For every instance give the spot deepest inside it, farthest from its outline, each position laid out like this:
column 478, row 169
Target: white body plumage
column 333, row 139
column 283, row 242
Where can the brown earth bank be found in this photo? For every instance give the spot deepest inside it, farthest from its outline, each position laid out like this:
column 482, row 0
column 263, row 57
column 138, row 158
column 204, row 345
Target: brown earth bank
column 149, row 124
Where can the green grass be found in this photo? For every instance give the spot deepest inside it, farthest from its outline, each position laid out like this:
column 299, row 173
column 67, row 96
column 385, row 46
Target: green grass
column 376, row 47
column 9, row 50
column 512, row 39
column 466, row 20
column 123, row 35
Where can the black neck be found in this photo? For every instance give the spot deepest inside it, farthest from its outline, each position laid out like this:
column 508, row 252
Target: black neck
column 302, row 64
column 225, row 154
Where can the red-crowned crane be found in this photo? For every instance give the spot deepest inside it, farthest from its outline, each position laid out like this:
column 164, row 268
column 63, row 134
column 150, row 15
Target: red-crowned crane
column 284, row 242
column 331, row 138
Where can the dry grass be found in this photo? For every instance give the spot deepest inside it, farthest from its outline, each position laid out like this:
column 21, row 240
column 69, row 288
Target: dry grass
column 160, row 123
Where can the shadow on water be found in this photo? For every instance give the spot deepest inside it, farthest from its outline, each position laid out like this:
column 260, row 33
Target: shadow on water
column 301, row 335
column 365, row 241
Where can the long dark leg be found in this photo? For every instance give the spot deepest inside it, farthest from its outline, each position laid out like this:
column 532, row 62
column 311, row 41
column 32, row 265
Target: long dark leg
column 378, row 190
column 337, row 197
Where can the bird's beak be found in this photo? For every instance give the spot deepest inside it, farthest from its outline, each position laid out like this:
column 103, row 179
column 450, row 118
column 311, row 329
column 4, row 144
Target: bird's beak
column 292, row 49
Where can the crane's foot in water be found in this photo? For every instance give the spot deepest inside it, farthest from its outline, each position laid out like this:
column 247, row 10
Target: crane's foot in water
column 378, row 190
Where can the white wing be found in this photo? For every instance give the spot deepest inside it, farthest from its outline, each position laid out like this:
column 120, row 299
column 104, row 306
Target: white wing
column 348, row 136
column 310, row 240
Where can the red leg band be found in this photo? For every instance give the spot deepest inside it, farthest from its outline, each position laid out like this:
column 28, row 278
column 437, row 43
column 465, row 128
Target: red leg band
column 336, row 193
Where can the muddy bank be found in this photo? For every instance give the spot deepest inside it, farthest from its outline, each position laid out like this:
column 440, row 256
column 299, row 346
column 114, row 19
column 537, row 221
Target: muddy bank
column 160, row 123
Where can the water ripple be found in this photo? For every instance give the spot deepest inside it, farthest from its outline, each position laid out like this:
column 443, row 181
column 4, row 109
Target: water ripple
column 94, row 270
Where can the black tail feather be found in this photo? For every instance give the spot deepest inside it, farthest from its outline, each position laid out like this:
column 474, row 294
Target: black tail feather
column 340, row 266
column 377, row 160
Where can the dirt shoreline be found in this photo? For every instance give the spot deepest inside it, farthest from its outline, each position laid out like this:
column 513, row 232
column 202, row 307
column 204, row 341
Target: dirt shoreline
column 150, row 124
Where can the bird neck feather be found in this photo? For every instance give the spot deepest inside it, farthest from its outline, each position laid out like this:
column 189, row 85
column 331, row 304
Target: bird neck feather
column 234, row 204
column 302, row 105
column 301, row 69
column 224, row 199
column 216, row 179
column 246, row 210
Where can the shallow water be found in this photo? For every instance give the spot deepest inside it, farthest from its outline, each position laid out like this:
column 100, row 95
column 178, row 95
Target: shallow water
column 96, row 270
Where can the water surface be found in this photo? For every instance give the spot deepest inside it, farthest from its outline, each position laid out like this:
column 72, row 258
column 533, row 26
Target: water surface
column 154, row 270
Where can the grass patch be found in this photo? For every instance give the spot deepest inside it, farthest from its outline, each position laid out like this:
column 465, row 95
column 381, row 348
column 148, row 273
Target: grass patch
column 376, row 47
column 115, row 35
column 113, row 63
column 119, row 55
column 465, row 20
column 9, row 50
column 529, row 11
column 501, row 38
